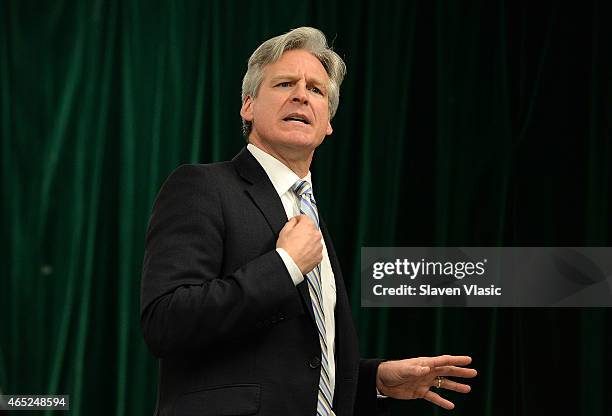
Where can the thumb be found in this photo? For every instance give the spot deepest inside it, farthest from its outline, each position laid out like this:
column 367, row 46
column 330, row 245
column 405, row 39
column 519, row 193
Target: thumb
column 291, row 223
column 301, row 219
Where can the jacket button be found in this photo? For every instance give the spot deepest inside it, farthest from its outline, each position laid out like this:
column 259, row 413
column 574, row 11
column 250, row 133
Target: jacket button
column 314, row 362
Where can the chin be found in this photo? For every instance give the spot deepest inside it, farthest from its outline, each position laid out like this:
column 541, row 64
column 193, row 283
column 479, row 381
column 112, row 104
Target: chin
column 301, row 140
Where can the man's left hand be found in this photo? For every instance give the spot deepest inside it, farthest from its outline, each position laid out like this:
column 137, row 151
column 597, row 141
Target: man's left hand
column 413, row 378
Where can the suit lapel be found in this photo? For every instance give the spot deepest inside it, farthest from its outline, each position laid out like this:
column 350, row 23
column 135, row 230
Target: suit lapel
column 265, row 197
column 335, row 264
column 261, row 190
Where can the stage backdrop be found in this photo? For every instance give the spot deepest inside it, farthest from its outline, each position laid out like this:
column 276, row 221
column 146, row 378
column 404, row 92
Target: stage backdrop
column 460, row 123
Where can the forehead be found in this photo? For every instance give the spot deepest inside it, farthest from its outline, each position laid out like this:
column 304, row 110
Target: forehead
column 298, row 62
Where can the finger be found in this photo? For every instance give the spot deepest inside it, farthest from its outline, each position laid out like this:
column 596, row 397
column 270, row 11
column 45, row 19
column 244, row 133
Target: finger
column 413, row 370
column 436, row 399
column 454, row 386
column 303, row 218
column 452, row 371
column 291, row 223
column 443, row 360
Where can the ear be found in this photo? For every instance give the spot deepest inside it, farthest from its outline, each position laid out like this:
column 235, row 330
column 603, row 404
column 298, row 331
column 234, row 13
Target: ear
column 329, row 129
column 246, row 111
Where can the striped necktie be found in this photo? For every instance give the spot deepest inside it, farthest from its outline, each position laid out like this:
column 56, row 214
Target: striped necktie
column 308, row 206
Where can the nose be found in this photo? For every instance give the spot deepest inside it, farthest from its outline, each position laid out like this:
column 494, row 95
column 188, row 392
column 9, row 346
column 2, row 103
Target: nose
column 299, row 93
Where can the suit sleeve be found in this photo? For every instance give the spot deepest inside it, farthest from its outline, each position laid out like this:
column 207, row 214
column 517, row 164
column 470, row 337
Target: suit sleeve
column 186, row 304
column 366, row 401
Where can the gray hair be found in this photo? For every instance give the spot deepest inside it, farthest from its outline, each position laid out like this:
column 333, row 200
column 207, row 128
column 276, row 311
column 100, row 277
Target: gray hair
column 307, row 38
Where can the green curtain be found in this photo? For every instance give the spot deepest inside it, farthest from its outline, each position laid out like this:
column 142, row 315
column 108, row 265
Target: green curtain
column 460, row 123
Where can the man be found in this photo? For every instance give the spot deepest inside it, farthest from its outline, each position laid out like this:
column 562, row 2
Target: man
column 243, row 299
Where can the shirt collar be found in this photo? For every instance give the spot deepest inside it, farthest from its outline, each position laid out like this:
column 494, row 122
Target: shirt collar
column 280, row 175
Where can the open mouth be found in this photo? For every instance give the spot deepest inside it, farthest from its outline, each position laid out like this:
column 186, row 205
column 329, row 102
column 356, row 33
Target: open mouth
column 297, row 118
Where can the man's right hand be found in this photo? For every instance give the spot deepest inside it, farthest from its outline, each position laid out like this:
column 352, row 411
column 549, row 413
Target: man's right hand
column 301, row 239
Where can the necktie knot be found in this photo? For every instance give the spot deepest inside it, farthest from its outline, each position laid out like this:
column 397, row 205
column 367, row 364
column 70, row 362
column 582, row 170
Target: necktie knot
column 308, row 205
column 302, row 188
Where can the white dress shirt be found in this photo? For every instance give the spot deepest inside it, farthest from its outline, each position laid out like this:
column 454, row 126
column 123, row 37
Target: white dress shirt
column 282, row 179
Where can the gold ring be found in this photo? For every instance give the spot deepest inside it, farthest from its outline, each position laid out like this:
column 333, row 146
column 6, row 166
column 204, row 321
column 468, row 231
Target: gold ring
column 439, row 380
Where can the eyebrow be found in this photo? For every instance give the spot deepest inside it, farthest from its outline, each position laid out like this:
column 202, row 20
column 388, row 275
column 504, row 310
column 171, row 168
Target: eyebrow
column 313, row 81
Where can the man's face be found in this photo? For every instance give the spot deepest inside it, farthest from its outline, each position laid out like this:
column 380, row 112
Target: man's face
column 291, row 111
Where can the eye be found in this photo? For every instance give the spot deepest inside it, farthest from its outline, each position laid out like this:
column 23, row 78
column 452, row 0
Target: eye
column 284, row 84
column 316, row 90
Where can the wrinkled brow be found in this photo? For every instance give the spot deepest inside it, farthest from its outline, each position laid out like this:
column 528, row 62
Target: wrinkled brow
column 317, row 82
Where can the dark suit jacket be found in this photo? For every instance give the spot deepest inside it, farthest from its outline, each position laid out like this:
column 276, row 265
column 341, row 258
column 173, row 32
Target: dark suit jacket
column 218, row 307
